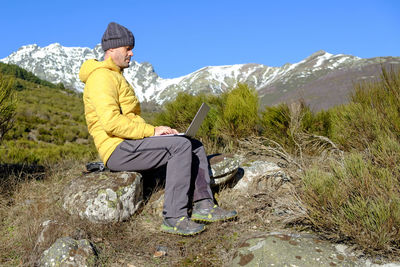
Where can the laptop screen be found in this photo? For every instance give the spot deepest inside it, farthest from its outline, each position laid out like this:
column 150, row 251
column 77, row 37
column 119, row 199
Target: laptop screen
column 198, row 120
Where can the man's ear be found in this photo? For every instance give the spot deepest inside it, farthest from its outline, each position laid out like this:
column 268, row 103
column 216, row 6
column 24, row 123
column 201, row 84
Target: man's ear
column 108, row 53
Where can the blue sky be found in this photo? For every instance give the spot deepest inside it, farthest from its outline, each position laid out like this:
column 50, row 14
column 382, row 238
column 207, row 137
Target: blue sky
column 179, row 37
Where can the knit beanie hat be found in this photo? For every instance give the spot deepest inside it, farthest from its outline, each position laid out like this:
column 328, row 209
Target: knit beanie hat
column 116, row 36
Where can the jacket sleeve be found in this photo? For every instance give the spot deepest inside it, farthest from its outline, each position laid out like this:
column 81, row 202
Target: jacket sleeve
column 102, row 91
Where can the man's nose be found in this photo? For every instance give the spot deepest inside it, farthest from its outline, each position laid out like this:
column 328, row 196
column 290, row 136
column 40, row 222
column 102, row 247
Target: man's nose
column 130, row 53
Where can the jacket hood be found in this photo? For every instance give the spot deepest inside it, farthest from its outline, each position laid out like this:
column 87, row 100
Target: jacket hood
column 89, row 66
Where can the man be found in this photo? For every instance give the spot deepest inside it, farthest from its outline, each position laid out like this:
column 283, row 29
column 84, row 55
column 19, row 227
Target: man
column 121, row 136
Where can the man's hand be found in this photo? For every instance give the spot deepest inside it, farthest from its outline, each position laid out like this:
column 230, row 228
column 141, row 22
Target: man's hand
column 161, row 130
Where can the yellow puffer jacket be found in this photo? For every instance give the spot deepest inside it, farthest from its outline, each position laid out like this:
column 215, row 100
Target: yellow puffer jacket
column 112, row 110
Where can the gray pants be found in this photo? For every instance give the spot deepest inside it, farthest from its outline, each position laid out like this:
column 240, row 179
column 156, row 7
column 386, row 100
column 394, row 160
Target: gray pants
column 186, row 162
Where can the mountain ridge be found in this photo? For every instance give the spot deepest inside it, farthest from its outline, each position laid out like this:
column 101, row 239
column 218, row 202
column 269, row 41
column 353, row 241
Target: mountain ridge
column 59, row 64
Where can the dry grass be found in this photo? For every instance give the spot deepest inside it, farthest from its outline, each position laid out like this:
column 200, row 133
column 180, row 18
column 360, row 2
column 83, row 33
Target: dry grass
column 132, row 242
column 24, row 209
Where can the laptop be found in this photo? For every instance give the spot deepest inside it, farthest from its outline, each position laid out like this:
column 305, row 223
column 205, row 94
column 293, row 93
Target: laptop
column 196, row 122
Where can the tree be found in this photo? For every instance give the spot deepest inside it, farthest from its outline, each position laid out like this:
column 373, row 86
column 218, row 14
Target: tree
column 7, row 105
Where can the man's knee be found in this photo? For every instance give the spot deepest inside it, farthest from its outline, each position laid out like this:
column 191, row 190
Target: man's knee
column 196, row 144
column 181, row 144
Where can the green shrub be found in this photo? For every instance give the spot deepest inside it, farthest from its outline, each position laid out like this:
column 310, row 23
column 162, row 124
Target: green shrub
column 276, row 123
column 23, row 75
column 239, row 116
column 289, row 125
column 357, row 201
column 7, row 105
column 374, row 111
column 30, row 152
column 232, row 115
column 179, row 113
column 49, row 122
column 318, row 123
column 355, row 126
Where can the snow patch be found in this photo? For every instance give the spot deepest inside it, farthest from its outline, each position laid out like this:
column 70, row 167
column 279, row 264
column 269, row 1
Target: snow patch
column 322, row 59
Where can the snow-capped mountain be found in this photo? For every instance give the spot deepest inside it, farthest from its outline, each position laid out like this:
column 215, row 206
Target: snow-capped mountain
column 322, row 79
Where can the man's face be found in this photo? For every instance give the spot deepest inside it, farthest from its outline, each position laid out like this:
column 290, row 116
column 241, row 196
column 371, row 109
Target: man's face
column 122, row 56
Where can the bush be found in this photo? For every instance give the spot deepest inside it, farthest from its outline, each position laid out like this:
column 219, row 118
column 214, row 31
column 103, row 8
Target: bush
column 179, row 113
column 374, row 111
column 232, row 115
column 23, row 75
column 30, row 152
column 239, row 116
column 291, row 125
column 276, row 124
column 7, row 105
column 49, row 123
column 357, row 200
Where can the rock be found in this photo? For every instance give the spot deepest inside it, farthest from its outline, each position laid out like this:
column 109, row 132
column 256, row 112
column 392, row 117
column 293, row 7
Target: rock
column 32, row 135
column 104, row 197
column 222, row 168
column 369, row 263
column 222, row 164
column 224, row 179
column 298, row 249
column 161, row 251
column 278, row 249
column 253, row 170
column 69, row 252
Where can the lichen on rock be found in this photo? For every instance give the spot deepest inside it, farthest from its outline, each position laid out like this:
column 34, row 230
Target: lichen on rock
column 104, row 197
column 223, row 168
column 291, row 249
column 254, row 170
column 69, row 252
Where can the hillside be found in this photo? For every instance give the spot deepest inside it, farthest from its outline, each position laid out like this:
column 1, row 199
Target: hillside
column 322, row 79
column 49, row 122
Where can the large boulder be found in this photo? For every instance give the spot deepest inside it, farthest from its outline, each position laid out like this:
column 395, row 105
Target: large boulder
column 69, row 252
column 277, row 249
column 104, row 197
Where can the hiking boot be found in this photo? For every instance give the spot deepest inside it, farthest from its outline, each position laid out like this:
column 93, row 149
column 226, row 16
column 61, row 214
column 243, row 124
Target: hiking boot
column 207, row 211
column 181, row 226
